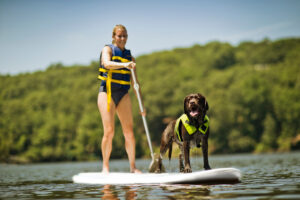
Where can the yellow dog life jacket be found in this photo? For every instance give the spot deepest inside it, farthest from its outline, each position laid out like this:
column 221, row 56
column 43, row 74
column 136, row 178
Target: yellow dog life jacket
column 190, row 128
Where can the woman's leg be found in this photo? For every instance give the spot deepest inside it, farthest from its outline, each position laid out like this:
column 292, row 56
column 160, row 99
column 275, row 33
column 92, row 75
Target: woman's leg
column 125, row 115
column 108, row 122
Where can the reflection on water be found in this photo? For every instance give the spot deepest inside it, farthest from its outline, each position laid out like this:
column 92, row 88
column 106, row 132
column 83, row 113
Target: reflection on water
column 271, row 176
column 187, row 191
column 110, row 192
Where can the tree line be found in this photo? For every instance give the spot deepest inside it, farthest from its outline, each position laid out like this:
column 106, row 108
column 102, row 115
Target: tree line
column 252, row 91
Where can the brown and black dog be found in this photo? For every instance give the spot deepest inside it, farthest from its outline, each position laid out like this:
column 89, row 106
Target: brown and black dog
column 195, row 108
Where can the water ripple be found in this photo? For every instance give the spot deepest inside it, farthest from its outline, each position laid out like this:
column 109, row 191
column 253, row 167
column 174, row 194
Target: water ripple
column 270, row 176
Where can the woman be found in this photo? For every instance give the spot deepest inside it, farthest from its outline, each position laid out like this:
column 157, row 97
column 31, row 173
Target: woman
column 116, row 63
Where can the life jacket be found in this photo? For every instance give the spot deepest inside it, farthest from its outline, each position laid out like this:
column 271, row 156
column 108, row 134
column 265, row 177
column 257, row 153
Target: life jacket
column 190, row 128
column 115, row 78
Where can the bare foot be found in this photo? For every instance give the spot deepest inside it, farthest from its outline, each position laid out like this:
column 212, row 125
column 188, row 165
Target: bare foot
column 105, row 171
column 136, row 171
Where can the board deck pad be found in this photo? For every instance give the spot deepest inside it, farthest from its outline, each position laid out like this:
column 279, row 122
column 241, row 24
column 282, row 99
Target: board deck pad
column 213, row 176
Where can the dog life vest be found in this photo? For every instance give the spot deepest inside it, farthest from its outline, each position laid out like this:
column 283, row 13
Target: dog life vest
column 190, row 128
column 116, row 78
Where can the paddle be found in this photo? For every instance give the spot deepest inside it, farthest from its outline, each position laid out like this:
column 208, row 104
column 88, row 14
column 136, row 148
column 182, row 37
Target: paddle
column 136, row 87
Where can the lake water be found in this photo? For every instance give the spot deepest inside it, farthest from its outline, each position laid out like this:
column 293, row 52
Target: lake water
column 268, row 176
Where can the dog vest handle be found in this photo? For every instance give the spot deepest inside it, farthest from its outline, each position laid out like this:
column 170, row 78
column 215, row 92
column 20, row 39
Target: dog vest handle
column 136, row 87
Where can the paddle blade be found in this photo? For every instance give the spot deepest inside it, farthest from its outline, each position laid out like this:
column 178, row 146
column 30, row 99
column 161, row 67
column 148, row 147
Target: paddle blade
column 156, row 165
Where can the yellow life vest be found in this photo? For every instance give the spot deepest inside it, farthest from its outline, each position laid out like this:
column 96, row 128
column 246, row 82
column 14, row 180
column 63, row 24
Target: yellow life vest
column 109, row 78
column 190, row 128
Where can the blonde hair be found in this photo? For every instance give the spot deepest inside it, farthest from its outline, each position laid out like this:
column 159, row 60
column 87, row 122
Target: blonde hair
column 118, row 26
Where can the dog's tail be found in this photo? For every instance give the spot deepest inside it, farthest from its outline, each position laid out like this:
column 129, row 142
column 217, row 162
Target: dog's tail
column 170, row 151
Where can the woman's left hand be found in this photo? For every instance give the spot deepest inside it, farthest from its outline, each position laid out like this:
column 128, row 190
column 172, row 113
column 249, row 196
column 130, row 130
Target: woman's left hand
column 131, row 65
column 144, row 113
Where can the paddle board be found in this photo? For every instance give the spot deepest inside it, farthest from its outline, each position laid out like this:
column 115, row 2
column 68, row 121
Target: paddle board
column 213, row 176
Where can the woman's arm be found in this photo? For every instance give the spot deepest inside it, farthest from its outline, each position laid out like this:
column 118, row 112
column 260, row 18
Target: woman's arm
column 108, row 64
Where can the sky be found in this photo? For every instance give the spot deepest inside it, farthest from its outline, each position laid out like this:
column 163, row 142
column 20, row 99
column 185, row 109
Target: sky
column 37, row 33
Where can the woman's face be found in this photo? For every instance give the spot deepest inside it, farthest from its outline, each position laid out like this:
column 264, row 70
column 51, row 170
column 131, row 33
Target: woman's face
column 120, row 38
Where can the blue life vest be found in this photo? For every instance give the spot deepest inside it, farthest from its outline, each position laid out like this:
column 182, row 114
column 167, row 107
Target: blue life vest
column 119, row 74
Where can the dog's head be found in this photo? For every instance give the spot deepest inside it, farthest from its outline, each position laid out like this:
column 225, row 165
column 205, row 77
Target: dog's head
column 195, row 107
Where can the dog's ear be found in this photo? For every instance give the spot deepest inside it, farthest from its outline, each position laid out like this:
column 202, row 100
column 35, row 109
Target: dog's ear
column 200, row 96
column 206, row 105
column 185, row 104
column 203, row 99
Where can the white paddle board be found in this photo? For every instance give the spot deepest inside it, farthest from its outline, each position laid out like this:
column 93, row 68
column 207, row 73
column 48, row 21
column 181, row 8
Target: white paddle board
column 213, row 176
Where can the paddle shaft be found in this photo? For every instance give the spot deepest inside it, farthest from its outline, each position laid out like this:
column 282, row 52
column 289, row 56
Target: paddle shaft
column 136, row 87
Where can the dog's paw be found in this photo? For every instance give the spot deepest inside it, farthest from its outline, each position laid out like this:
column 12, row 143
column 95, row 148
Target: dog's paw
column 187, row 170
column 207, row 167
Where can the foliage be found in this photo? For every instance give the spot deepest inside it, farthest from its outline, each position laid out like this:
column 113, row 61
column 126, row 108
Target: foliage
column 252, row 90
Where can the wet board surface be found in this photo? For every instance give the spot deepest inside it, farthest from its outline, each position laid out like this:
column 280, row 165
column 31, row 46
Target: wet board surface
column 214, row 176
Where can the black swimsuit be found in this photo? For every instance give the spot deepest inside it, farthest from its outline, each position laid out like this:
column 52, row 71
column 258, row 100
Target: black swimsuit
column 116, row 93
column 118, row 90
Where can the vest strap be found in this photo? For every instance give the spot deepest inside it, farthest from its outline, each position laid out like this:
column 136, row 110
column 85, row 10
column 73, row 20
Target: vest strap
column 123, row 60
column 110, row 80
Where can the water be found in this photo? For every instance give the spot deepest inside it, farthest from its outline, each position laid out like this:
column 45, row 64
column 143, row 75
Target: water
column 270, row 176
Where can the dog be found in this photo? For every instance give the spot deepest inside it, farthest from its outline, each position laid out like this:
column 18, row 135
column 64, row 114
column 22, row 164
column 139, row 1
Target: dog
column 190, row 130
